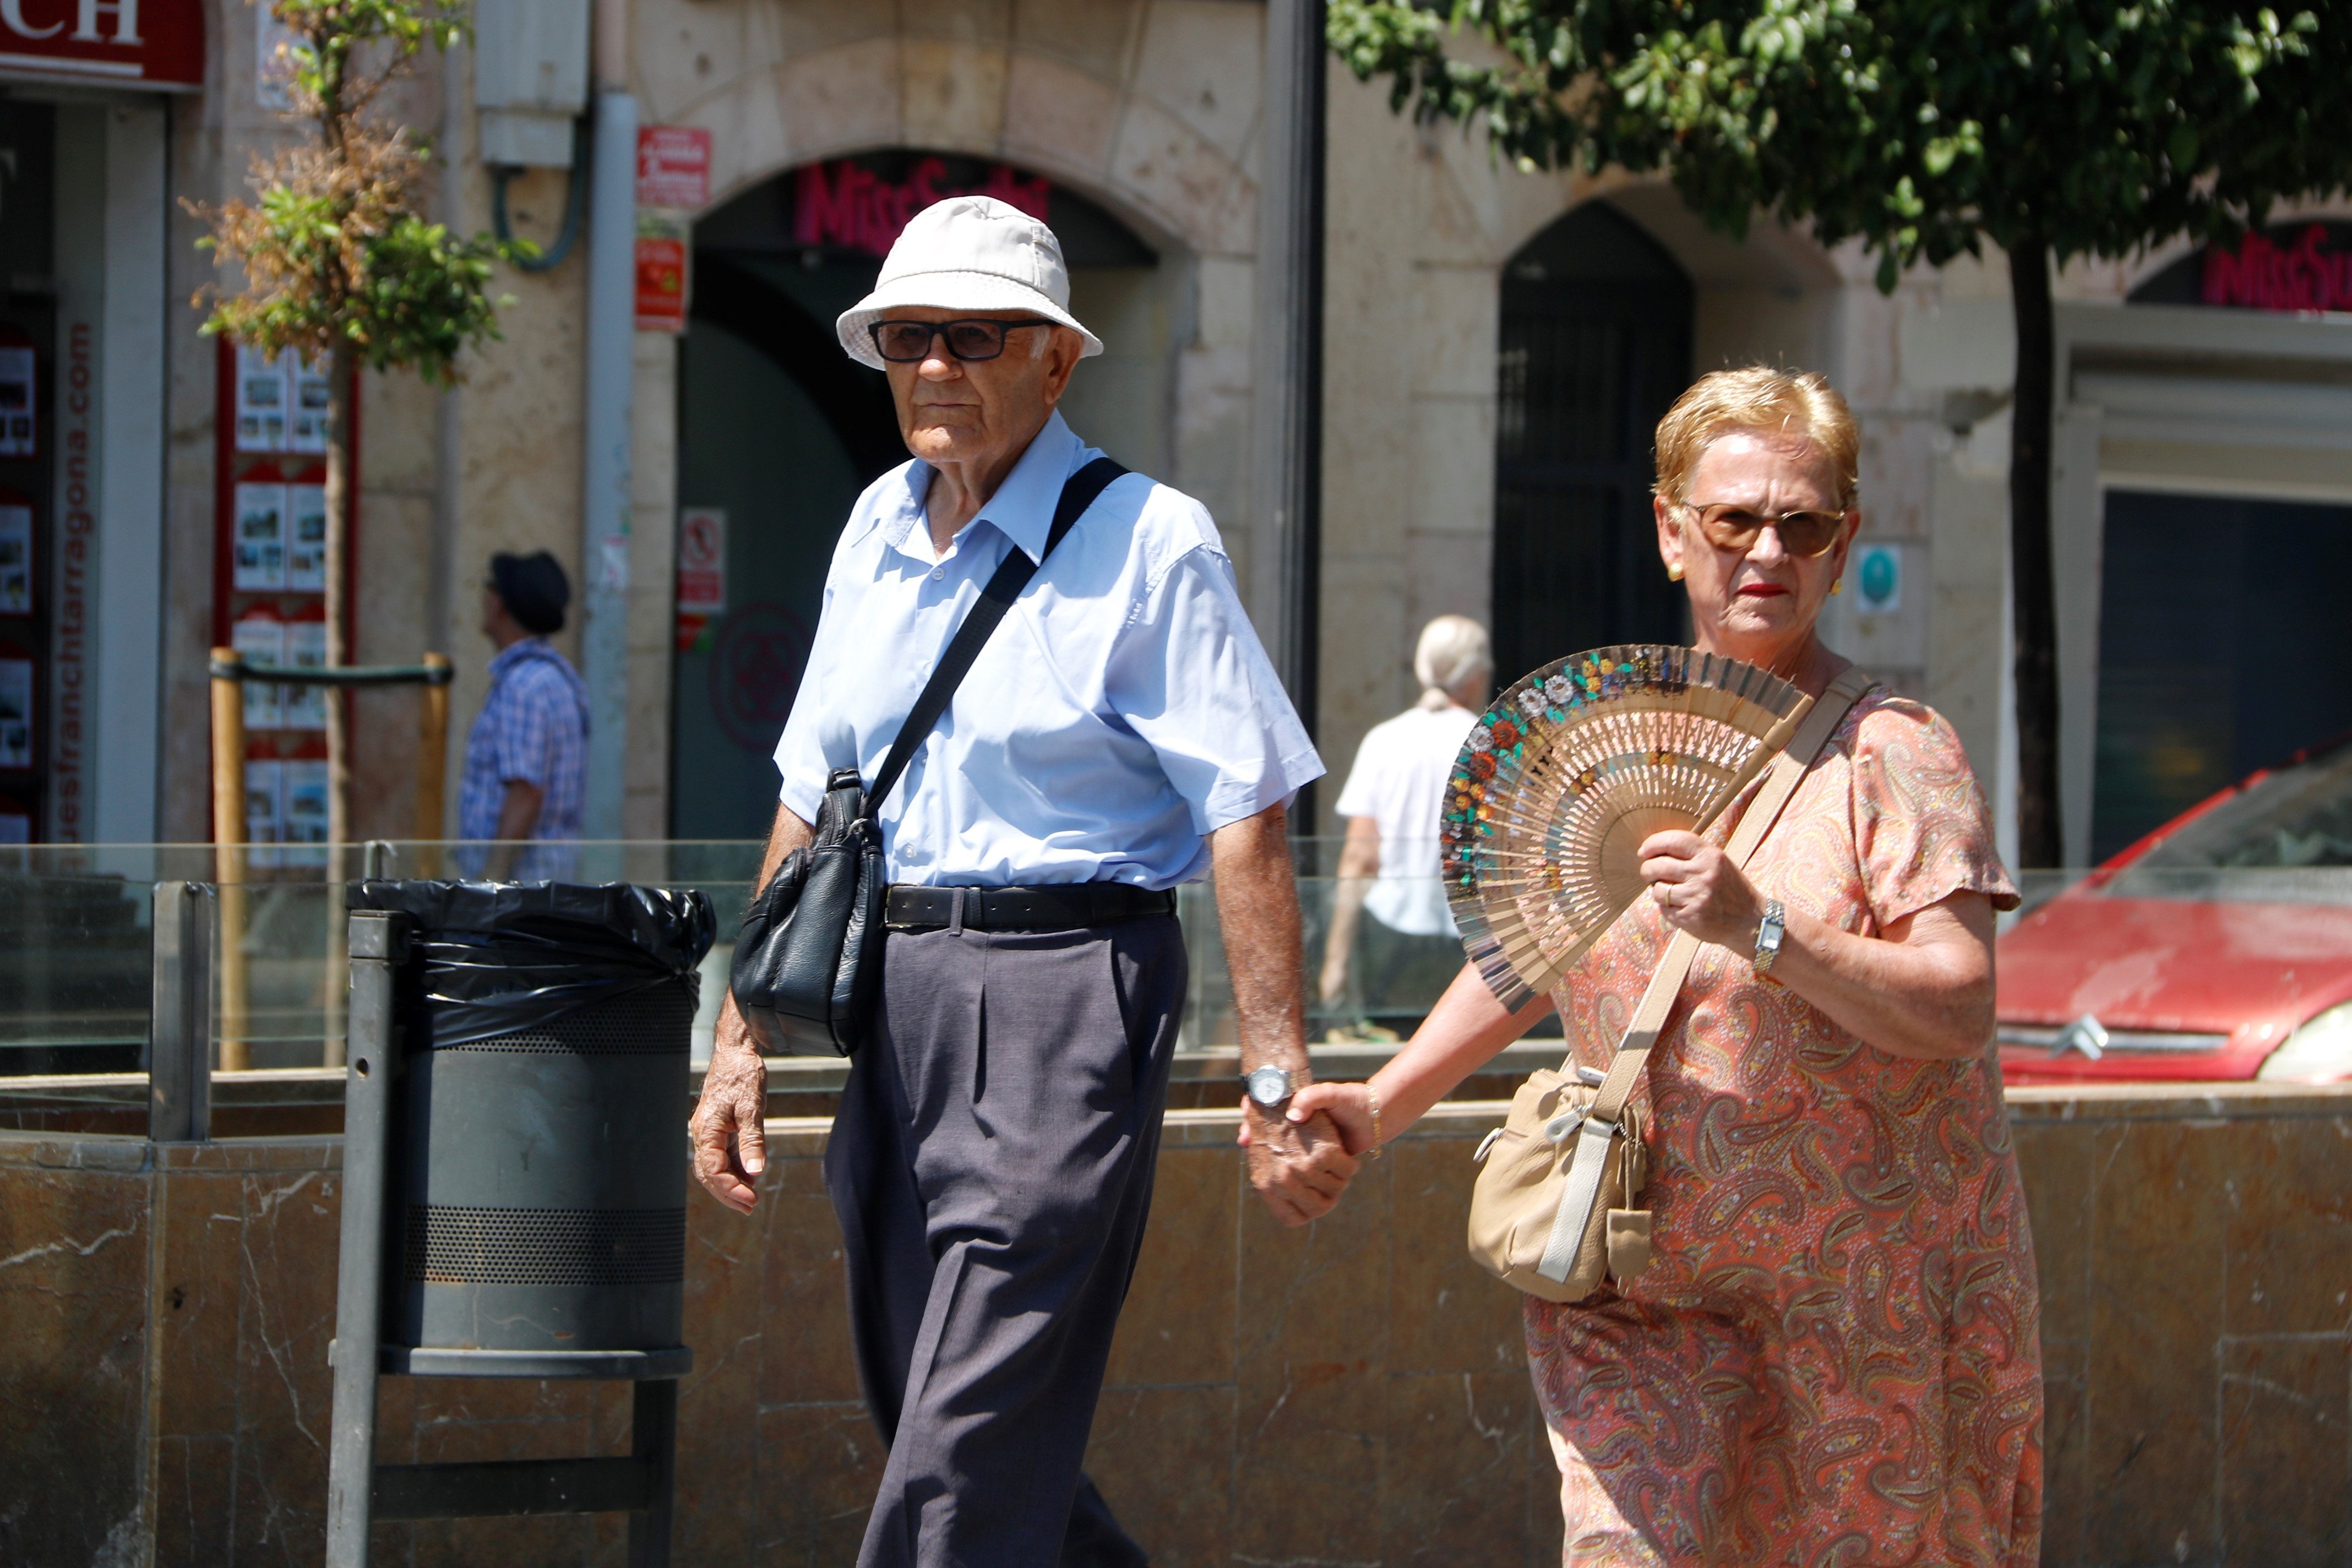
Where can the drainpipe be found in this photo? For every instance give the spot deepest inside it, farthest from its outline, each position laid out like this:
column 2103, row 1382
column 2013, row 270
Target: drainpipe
column 612, row 331
column 1288, row 467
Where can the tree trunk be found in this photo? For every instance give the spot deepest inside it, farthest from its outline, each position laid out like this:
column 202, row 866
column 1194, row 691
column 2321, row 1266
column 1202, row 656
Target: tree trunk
column 339, row 369
column 2032, row 581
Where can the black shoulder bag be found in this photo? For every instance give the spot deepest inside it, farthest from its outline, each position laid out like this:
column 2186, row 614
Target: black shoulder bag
column 808, row 961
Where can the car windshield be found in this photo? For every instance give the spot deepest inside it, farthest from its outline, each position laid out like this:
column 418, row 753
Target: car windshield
column 2287, row 838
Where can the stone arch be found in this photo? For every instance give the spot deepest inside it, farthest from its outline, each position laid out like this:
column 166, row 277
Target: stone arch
column 1169, row 179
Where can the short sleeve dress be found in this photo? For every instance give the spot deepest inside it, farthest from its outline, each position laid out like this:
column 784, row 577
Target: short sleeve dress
column 1834, row 1357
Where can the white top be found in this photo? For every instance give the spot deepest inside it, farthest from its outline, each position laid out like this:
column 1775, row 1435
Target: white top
column 1121, row 712
column 1399, row 781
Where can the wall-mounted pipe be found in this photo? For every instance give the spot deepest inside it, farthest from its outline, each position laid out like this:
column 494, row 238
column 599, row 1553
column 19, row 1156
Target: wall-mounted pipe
column 612, row 327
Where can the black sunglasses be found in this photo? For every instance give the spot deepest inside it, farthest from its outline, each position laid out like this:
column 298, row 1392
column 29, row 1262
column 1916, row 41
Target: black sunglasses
column 909, row 343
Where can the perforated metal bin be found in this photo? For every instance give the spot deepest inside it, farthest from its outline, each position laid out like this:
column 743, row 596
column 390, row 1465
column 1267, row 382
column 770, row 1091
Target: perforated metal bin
column 543, row 1205
column 540, row 1175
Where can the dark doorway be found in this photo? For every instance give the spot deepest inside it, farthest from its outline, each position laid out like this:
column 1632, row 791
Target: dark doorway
column 779, row 432
column 1595, row 346
column 2224, row 648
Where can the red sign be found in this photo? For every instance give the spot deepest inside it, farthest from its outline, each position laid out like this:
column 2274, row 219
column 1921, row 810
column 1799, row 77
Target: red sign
column 2266, row 276
column 842, row 204
column 661, row 285
column 146, row 43
column 673, row 167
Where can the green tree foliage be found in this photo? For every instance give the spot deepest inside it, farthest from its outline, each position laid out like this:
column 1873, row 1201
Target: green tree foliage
column 2052, row 129
column 339, row 263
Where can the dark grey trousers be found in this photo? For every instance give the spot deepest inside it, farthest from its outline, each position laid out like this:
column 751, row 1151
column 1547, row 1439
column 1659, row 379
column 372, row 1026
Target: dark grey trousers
column 992, row 1166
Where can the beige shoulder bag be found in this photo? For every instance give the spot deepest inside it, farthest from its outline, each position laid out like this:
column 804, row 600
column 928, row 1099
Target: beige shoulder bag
column 1553, row 1211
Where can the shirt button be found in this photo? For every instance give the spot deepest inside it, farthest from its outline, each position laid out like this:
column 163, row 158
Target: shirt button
column 937, row 573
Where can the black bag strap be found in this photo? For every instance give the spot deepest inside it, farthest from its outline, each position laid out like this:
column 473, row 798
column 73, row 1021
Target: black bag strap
column 1078, row 492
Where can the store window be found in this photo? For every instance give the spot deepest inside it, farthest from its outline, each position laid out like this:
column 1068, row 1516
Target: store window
column 1595, row 346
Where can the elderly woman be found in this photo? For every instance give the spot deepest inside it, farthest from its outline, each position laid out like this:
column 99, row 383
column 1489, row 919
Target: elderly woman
column 1834, row 1357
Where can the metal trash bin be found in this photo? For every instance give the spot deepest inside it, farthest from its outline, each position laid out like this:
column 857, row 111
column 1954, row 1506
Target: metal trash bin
column 515, row 1183
column 537, row 1131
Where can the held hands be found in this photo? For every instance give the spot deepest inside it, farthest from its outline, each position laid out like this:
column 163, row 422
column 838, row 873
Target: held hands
column 1698, row 889
column 1297, row 1162
column 731, row 1145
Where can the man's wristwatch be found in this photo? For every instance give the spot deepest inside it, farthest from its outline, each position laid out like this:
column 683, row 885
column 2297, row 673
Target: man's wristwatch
column 1769, row 932
column 1268, row 1087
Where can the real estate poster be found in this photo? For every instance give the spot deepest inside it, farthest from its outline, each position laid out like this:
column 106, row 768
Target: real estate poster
column 306, row 428
column 15, row 712
column 264, row 808
column 260, row 560
column 306, row 550
column 260, row 402
column 306, row 649
column 261, row 638
column 304, row 815
column 16, row 414
column 16, row 558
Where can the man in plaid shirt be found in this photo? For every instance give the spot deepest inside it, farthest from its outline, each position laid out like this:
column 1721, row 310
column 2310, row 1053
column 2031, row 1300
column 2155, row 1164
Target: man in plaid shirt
column 527, row 754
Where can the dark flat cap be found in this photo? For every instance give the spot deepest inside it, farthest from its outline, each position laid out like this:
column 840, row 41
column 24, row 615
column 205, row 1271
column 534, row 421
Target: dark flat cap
column 534, row 588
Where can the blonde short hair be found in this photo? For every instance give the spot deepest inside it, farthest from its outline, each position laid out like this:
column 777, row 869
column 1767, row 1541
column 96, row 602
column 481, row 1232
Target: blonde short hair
column 1761, row 399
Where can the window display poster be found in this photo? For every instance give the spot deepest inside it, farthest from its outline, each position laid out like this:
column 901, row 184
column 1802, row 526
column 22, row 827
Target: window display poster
column 304, row 814
column 15, row 712
column 264, row 812
column 260, row 402
column 305, row 553
column 307, row 410
column 16, row 432
column 260, row 562
column 16, row 556
column 261, row 638
column 15, row 823
column 306, row 649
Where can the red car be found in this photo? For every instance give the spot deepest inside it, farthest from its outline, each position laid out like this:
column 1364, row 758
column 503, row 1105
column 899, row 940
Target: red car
column 2219, row 946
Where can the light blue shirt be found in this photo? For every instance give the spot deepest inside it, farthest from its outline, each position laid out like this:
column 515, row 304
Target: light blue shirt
column 1123, row 710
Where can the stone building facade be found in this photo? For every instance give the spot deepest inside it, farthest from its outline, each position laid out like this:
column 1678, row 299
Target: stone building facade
column 1454, row 468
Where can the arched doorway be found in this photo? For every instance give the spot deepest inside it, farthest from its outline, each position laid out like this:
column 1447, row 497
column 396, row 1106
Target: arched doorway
column 1595, row 346
column 779, row 431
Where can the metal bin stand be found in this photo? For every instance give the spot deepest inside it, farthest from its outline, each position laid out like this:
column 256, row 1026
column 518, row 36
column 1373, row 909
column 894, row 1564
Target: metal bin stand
column 491, row 1289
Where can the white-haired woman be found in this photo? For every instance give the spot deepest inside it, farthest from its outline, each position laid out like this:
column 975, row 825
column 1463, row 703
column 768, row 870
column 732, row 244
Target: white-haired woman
column 1833, row 1355
column 1395, row 963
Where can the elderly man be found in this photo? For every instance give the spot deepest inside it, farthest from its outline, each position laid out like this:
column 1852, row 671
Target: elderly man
column 1120, row 733
column 527, row 754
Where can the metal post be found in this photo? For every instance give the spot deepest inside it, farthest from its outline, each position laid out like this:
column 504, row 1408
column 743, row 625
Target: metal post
column 653, row 1440
column 180, row 1037
column 1285, row 567
column 605, row 547
column 378, row 945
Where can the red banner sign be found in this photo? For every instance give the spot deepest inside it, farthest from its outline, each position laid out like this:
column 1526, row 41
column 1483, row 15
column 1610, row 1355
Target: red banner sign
column 673, row 167
column 2264, row 275
column 143, row 43
column 661, row 284
column 843, row 204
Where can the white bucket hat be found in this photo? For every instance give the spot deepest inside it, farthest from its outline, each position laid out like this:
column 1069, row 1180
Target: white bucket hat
column 967, row 253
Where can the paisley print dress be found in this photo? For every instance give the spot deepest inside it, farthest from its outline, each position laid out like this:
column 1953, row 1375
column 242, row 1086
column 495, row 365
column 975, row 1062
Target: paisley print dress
column 1833, row 1356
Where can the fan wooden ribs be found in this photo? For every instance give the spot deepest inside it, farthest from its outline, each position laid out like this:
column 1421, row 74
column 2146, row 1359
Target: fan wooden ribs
column 1569, row 771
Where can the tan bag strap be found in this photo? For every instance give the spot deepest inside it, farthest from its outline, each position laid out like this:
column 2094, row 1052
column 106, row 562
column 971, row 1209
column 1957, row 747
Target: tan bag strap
column 1789, row 769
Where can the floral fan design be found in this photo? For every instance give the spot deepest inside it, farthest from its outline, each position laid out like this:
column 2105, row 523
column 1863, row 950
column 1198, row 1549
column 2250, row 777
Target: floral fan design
column 1569, row 771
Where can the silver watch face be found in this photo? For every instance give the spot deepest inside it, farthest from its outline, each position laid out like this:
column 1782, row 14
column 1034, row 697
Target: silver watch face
column 1268, row 1085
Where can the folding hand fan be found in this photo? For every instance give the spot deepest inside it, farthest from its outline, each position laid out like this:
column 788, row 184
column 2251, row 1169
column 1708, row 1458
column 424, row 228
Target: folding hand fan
column 1569, row 771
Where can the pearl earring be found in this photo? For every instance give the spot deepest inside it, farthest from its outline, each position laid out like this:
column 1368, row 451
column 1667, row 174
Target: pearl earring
column 1674, row 573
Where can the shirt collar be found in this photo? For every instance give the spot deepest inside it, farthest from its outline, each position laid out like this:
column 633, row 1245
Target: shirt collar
column 514, row 653
column 1023, row 507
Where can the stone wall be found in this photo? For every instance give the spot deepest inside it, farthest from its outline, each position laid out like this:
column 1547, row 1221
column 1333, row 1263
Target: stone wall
column 1350, row 1393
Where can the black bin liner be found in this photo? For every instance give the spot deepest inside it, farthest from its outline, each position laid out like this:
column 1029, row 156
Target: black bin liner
column 540, row 1177
column 495, row 958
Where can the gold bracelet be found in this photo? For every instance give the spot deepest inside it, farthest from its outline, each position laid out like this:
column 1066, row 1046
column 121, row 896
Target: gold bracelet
column 1373, row 1095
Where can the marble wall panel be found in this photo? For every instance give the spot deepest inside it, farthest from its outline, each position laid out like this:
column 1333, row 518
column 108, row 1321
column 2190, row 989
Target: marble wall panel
column 1351, row 1391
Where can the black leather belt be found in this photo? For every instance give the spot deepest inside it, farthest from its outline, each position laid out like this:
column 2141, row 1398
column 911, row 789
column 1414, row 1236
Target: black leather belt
column 1064, row 907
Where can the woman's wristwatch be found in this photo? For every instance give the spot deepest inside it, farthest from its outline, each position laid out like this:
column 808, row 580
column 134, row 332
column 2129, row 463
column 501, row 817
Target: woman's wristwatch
column 1769, row 932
